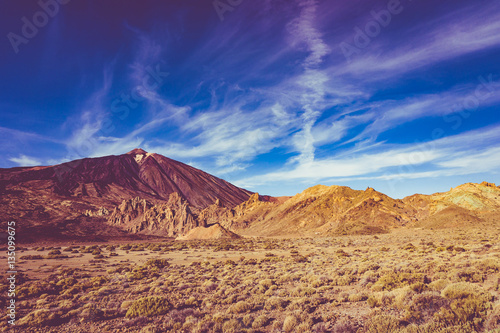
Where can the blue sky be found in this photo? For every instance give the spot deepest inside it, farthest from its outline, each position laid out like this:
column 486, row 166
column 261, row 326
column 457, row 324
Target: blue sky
column 272, row 95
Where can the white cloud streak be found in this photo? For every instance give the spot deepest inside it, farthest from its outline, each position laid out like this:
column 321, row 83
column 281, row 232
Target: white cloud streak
column 23, row 160
column 462, row 34
column 453, row 155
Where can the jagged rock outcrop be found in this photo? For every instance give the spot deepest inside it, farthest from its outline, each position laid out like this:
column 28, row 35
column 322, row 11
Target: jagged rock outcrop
column 241, row 216
column 217, row 213
column 102, row 211
column 172, row 218
column 337, row 210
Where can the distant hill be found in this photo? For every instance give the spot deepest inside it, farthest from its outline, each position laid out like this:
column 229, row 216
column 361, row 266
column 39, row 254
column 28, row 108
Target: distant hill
column 323, row 211
column 212, row 232
column 463, row 205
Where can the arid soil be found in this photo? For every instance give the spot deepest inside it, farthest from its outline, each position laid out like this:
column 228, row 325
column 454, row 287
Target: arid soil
column 408, row 280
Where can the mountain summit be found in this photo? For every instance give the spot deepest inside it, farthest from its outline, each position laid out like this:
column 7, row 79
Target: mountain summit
column 57, row 195
column 137, row 151
column 136, row 173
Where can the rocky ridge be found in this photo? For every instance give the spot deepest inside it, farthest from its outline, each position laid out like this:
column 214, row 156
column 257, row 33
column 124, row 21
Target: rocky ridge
column 322, row 211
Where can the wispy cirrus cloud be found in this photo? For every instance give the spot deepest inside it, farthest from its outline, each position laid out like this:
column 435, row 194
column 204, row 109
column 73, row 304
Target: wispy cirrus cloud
column 269, row 92
column 460, row 99
column 230, row 136
column 313, row 80
column 453, row 155
column 23, row 160
column 303, row 97
column 462, row 32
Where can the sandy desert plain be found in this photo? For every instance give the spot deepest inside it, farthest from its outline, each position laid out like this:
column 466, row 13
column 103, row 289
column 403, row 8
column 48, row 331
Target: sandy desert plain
column 408, row 280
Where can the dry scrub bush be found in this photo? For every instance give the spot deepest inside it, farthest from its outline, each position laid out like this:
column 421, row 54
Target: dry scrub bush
column 306, row 304
column 231, row 326
column 302, row 291
column 344, row 326
column 358, row 297
column 39, row 318
column 157, row 263
column 37, row 288
column 260, row 321
column 149, row 306
column 368, row 278
column 489, row 265
column 423, row 307
column 31, row 257
column 344, row 280
column 380, row 299
column 247, row 320
column 267, row 283
column 395, row 280
column 276, row 303
column 469, row 275
column 439, row 285
column 290, row 323
column 382, row 323
column 90, row 313
column 304, row 327
column 209, row 286
column 468, row 307
column 240, row 307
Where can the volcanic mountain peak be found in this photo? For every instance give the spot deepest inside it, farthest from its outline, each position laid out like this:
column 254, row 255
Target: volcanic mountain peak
column 51, row 196
column 139, row 155
column 137, row 151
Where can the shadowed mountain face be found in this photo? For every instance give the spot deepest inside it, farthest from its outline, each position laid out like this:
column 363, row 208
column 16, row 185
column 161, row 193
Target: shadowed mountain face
column 57, row 196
